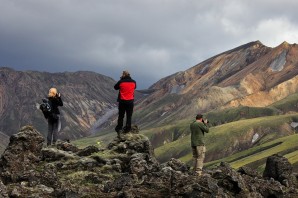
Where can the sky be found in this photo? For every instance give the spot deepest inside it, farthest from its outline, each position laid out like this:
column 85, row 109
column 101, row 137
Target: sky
column 151, row 39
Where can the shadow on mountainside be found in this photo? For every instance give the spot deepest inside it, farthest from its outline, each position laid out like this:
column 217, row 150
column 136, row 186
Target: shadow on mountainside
column 127, row 168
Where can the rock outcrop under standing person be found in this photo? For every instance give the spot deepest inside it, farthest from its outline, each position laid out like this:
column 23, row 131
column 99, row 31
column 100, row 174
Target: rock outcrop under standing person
column 127, row 168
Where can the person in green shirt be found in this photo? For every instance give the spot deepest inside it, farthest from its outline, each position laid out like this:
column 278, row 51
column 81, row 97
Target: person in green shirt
column 198, row 128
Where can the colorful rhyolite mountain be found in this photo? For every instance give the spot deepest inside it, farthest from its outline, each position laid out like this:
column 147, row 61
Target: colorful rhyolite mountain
column 249, row 75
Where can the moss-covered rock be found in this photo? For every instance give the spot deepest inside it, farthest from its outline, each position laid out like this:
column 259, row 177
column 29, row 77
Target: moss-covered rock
column 126, row 168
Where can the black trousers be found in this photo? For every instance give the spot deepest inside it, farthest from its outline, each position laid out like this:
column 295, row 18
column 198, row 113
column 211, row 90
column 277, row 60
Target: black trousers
column 52, row 131
column 125, row 108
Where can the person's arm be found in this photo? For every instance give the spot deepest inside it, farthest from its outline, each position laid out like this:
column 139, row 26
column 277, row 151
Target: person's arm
column 204, row 127
column 57, row 101
column 60, row 103
column 117, row 85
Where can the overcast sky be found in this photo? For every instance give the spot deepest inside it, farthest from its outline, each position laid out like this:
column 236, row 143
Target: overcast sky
column 150, row 38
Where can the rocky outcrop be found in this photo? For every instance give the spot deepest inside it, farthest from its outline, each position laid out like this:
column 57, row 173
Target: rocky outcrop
column 4, row 140
column 280, row 169
column 22, row 155
column 127, row 168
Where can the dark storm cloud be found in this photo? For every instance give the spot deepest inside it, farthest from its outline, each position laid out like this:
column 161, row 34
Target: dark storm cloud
column 151, row 39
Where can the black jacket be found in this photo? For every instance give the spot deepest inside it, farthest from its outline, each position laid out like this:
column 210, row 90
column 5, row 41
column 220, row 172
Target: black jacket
column 55, row 102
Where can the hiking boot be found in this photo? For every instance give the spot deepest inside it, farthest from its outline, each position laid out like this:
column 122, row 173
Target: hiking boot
column 117, row 129
column 126, row 129
column 197, row 173
column 119, row 132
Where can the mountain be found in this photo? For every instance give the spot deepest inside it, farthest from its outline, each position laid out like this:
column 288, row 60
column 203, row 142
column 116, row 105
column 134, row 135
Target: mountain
column 249, row 94
column 88, row 99
column 250, row 75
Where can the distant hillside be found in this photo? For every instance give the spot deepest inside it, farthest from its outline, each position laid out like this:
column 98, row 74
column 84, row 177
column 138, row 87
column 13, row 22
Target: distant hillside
column 256, row 157
column 218, row 117
column 250, row 75
column 87, row 98
column 287, row 105
column 227, row 139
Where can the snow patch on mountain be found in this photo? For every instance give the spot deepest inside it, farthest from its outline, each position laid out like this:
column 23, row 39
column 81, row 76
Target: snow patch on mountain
column 294, row 124
column 279, row 62
column 255, row 138
column 163, row 113
column 177, row 88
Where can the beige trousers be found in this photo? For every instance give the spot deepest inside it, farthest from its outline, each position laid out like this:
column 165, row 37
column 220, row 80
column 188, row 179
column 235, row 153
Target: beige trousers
column 198, row 153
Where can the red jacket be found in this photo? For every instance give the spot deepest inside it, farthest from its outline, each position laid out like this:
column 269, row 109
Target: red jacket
column 126, row 87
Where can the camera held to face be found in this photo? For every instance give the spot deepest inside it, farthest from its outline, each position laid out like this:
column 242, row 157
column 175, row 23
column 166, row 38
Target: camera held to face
column 205, row 121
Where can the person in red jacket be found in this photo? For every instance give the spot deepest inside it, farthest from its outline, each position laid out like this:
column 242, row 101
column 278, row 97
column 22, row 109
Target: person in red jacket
column 126, row 86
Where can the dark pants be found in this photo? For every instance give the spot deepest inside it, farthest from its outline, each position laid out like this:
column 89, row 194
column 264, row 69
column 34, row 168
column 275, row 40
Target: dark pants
column 125, row 107
column 52, row 131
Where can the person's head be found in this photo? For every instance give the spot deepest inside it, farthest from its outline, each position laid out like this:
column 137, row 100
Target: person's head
column 52, row 92
column 125, row 74
column 199, row 117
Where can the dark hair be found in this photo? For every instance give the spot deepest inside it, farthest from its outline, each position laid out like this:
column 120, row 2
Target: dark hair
column 199, row 116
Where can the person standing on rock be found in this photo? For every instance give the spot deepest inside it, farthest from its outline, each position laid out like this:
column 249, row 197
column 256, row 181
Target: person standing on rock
column 54, row 119
column 126, row 86
column 198, row 129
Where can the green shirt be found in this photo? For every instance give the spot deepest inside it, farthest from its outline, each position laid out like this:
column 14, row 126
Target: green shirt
column 198, row 129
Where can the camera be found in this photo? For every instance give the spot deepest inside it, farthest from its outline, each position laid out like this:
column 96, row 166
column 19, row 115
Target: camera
column 205, row 121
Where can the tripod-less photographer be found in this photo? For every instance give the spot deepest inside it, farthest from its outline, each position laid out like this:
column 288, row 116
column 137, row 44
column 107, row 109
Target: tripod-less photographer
column 198, row 129
column 54, row 119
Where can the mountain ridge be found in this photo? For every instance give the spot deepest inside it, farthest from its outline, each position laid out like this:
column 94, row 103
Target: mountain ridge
column 220, row 81
column 86, row 96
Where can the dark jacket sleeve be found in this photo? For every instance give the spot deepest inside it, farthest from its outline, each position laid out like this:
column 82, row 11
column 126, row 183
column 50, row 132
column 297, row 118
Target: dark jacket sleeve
column 117, row 85
column 135, row 85
column 56, row 101
column 59, row 101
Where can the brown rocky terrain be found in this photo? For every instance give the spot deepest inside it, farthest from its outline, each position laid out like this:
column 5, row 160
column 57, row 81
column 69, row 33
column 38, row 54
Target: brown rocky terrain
column 127, row 168
column 4, row 140
column 88, row 97
column 249, row 75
